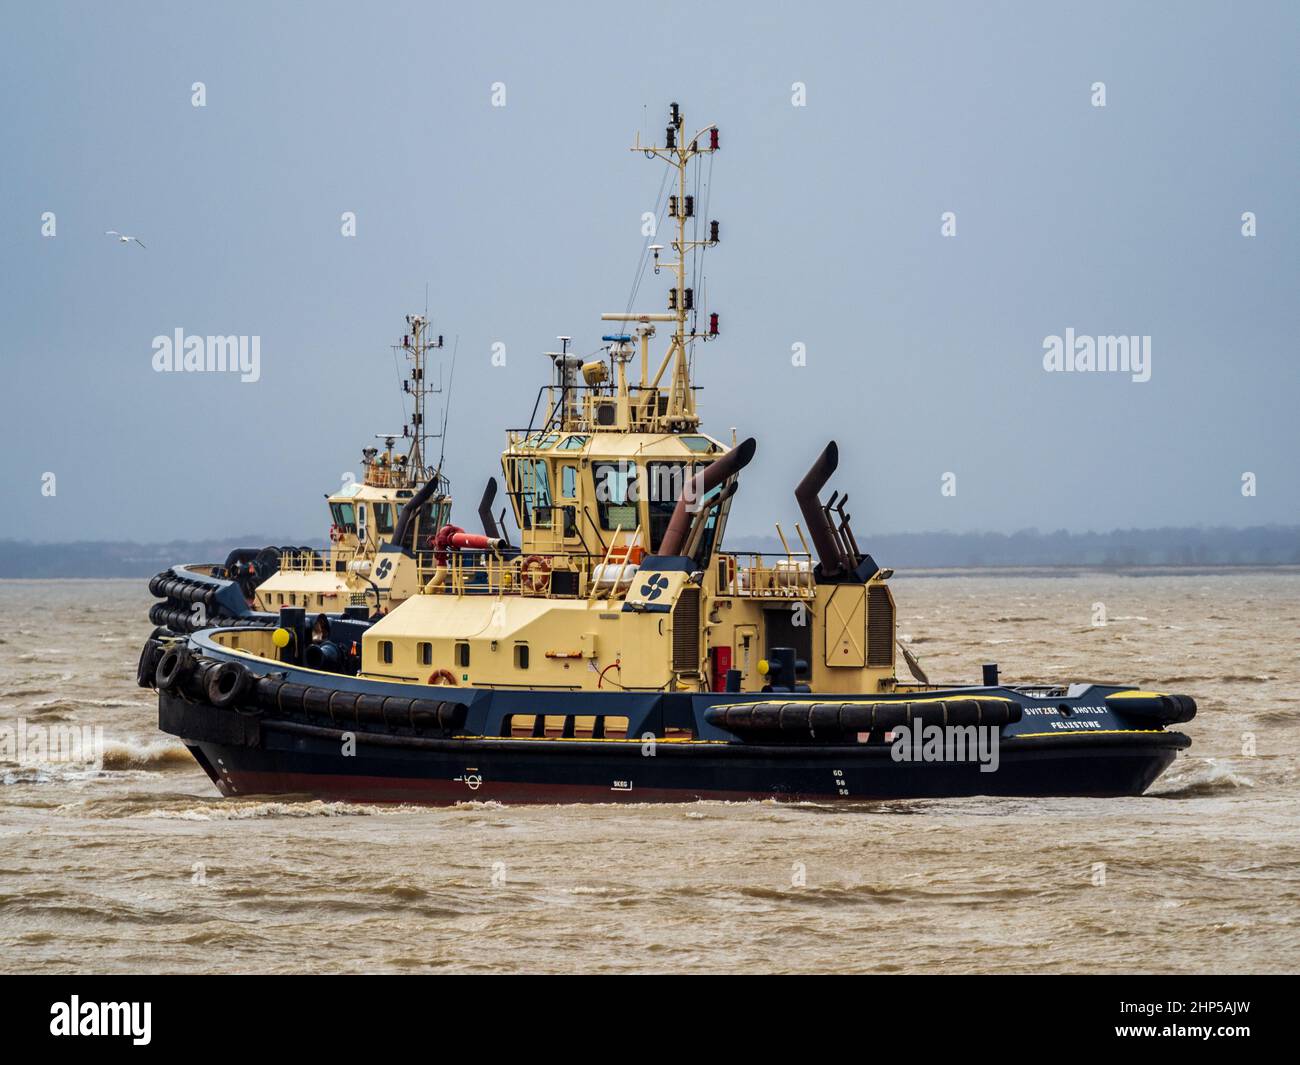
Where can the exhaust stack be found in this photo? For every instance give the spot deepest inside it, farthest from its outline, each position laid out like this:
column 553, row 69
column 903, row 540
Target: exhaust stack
column 485, row 511
column 833, row 562
column 705, row 481
column 411, row 509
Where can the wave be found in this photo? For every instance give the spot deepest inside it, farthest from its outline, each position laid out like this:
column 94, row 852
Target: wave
column 1207, row 778
column 52, row 706
column 119, row 754
column 225, row 810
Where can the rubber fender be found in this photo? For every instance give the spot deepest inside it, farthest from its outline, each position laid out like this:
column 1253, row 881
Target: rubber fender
column 226, row 684
column 424, row 714
column 427, row 715
column 824, row 718
column 370, row 709
column 343, row 708
column 173, row 667
column 451, row 716
column 1154, row 706
column 397, row 712
column 195, row 685
column 290, row 697
column 268, row 693
column 148, row 664
column 316, row 701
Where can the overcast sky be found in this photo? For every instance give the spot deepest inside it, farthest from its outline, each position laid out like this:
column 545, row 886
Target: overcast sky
column 924, row 351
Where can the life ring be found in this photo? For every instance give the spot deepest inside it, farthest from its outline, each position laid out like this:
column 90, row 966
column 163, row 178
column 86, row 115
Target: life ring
column 442, row 676
column 535, row 573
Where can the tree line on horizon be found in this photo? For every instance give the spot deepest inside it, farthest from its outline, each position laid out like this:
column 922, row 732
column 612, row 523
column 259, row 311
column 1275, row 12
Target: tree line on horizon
column 1265, row 545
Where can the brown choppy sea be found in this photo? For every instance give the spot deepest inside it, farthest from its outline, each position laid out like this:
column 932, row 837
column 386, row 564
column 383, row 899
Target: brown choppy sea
column 139, row 866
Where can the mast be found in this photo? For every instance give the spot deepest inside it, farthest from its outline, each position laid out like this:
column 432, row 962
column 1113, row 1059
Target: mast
column 678, row 151
column 417, row 344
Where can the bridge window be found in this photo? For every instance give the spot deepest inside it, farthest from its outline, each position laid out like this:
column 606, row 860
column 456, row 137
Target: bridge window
column 384, row 518
column 532, row 489
column 345, row 516
column 616, row 495
column 667, row 482
column 698, row 443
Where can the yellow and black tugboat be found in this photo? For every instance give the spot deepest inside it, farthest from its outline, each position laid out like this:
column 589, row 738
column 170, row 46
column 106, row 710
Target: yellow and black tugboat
column 619, row 652
column 380, row 532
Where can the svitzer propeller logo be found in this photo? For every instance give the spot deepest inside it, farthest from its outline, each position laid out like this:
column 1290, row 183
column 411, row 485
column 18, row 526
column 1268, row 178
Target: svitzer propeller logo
column 132, row 1019
column 654, row 588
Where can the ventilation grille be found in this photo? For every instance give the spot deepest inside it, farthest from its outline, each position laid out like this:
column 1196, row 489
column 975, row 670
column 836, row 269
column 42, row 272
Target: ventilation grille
column 686, row 632
column 880, row 626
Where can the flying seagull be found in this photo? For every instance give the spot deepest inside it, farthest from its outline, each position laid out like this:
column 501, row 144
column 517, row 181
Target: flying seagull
column 122, row 238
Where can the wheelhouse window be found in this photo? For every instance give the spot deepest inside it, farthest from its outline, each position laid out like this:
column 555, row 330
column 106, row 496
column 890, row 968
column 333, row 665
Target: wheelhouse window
column 616, row 495
column 698, row 443
column 384, row 518
column 710, row 534
column 532, row 489
column 667, row 483
column 569, row 482
column 345, row 516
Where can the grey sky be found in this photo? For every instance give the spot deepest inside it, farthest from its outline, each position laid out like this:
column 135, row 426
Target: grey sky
column 924, row 353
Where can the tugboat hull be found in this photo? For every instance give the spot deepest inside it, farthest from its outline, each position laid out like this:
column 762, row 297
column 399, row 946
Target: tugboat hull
column 250, row 756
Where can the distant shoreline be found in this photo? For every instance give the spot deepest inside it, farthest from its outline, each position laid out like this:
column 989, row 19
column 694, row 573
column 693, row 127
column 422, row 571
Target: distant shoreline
column 1134, row 552
column 905, row 573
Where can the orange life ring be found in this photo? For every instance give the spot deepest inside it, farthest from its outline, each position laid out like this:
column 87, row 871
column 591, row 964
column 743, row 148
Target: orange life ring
column 535, row 573
column 442, row 676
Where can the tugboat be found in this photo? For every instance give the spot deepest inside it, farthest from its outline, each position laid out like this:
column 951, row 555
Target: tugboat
column 380, row 529
column 619, row 653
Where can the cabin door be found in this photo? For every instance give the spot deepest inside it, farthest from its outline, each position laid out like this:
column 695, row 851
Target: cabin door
column 788, row 626
column 745, row 652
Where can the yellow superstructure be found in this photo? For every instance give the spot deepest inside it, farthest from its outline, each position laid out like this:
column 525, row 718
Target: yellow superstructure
column 364, row 564
column 619, row 582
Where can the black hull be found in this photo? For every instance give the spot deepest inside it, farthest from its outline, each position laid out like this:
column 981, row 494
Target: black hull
column 255, row 756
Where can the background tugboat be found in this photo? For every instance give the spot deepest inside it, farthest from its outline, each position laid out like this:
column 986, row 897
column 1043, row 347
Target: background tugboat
column 380, row 531
column 620, row 653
